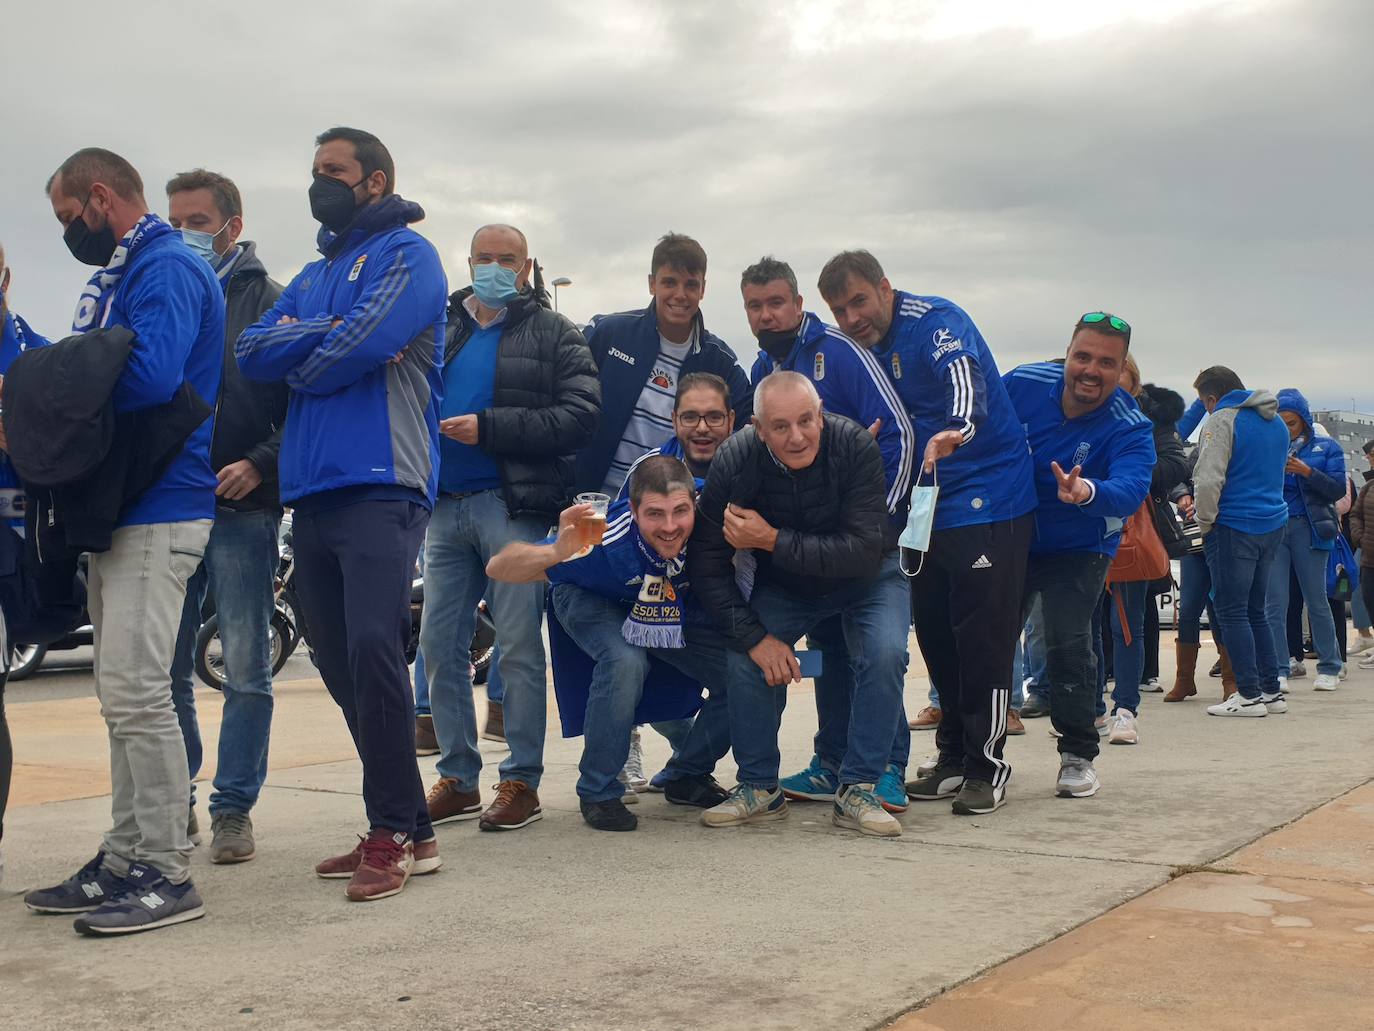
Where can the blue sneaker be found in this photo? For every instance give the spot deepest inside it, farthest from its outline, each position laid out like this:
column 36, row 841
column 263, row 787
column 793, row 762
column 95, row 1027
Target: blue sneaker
column 658, row 780
column 149, row 901
column 87, row 889
column 891, row 789
column 814, row 783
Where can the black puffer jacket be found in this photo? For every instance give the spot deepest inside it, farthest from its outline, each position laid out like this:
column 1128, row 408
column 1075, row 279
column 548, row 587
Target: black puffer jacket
column 545, row 402
column 829, row 517
column 1164, row 408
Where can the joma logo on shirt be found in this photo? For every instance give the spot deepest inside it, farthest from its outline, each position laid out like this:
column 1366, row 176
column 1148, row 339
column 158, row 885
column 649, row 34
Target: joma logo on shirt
column 616, row 353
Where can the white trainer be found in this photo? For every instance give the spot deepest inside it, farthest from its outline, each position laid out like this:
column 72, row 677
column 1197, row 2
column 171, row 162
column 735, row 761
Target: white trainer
column 1274, row 704
column 1361, row 645
column 1238, row 705
column 1123, row 729
column 1325, row 682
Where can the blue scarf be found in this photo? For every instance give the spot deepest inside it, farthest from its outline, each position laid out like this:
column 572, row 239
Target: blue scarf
column 655, row 619
column 93, row 309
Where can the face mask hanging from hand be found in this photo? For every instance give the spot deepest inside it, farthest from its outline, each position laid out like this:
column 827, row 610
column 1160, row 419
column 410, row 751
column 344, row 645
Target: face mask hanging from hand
column 920, row 521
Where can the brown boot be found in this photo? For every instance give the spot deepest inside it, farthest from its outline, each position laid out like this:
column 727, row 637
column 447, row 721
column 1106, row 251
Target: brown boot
column 1184, row 684
column 1228, row 675
column 495, row 728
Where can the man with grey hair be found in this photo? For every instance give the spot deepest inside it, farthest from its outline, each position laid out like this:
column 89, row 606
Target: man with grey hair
column 521, row 395
column 803, row 492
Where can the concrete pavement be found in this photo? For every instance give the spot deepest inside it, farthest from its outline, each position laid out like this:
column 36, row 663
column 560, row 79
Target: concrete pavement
column 793, row 925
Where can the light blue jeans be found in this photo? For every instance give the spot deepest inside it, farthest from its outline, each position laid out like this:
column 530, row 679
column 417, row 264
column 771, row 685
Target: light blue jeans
column 464, row 533
column 1309, row 564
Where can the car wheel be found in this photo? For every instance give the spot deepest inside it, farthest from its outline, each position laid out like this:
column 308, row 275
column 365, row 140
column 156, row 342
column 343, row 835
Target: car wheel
column 25, row 659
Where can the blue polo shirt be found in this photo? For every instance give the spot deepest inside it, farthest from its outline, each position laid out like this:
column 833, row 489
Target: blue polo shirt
column 469, row 385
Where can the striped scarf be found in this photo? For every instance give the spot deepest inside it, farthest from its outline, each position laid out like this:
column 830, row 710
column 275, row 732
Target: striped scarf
column 93, row 307
column 655, row 619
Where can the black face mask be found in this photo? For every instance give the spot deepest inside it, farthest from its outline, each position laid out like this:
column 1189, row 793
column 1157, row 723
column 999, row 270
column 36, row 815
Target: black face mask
column 332, row 202
column 90, row 246
column 777, row 345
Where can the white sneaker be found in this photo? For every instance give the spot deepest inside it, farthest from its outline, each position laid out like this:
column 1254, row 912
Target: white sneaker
column 1274, row 704
column 1152, row 686
column 858, row 809
column 1077, row 778
column 1362, row 644
column 1122, row 728
column 1296, row 670
column 633, row 774
column 1325, row 682
column 1237, row 705
column 630, row 796
column 747, row 804
column 1283, row 685
column 1345, row 670
column 1367, row 663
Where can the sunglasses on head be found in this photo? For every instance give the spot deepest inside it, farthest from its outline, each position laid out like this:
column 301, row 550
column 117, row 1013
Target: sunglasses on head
column 1096, row 318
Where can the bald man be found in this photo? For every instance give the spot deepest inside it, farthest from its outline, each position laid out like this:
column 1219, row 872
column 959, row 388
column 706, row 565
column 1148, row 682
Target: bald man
column 521, row 396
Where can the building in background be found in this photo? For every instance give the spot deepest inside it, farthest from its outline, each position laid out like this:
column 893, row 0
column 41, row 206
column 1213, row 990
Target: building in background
column 1351, row 430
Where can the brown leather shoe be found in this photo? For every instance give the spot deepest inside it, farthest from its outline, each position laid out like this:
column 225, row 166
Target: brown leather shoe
column 927, row 719
column 516, row 805
column 1185, row 683
column 495, row 728
column 1228, row 675
column 448, row 802
column 385, row 867
column 425, row 741
column 1014, row 724
column 426, row 857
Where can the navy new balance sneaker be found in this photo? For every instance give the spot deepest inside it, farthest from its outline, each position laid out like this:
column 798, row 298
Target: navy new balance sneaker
column 87, row 889
column 149, row 901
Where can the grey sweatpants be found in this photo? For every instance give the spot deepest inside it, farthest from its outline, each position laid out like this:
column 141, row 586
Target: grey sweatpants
column 136, row 593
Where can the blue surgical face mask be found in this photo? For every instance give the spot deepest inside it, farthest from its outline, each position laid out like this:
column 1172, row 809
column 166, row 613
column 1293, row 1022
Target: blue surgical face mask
column 920, row 521
column 494, row 284
column 204, row 243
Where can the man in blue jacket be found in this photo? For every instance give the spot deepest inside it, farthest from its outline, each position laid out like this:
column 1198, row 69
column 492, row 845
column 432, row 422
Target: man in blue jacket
column 966, row 603
column 1239, row 506
column 358, row 336
column 149, row 281
column 850, row 383
column 642, row 354
column 1314, row 480
column 16, row 337
column 1092, row 453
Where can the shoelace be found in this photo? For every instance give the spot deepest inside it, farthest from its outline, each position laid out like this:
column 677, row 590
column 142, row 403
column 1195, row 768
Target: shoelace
column 381, row 852
column 861, row 798
column 235, row 825
column 438, row 791
column 506, row 792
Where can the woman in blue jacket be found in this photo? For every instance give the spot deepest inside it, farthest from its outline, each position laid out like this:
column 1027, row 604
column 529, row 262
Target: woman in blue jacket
column 1315, row 481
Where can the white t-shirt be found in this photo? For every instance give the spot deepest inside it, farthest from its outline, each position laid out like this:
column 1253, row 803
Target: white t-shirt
column 651, row 422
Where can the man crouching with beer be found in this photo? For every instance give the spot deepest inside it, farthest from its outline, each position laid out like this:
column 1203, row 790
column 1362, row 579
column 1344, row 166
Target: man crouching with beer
column 625, row 600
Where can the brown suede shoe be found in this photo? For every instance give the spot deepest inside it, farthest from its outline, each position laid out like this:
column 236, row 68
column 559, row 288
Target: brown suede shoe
column 927, row 719
column 448, row 802
column 1014, row 724
column 425, row 741
column 516, row 805
column 1228, row 675
column 426, row 857
column 495, row 728
column 341, row 866
column 385, row 867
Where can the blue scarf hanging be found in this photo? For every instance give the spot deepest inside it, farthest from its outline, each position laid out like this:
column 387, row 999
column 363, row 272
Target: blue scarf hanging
column 93, row 308
column 655, row 619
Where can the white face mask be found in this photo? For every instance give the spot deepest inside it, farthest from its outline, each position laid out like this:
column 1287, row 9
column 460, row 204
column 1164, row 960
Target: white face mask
column 920, row 520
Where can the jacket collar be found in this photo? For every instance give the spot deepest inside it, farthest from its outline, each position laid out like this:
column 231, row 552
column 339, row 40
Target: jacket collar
column 371, row 219
column 698, row 327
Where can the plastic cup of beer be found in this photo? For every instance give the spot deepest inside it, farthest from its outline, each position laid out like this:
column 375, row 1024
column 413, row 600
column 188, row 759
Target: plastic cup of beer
column 591, row 528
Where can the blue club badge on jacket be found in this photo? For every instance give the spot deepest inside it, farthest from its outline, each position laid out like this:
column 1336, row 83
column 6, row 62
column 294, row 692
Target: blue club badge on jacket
column 357, row 268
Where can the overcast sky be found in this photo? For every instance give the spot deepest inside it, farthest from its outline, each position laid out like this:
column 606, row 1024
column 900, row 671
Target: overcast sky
column 1201, row 169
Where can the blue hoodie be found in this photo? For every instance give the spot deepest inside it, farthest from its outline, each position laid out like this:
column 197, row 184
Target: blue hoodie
column 1114, row 443
column 852, row 384
column 1238, row 477
column 1311, row 497
column 356, row 418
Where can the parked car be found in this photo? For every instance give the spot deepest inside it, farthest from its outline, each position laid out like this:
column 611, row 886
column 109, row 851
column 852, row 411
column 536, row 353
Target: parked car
column 26, row 658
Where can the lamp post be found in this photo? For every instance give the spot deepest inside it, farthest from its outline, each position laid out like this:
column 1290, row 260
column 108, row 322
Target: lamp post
column 560, row 281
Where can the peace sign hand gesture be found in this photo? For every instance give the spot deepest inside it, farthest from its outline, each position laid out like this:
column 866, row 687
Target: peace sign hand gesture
column 1073, row 489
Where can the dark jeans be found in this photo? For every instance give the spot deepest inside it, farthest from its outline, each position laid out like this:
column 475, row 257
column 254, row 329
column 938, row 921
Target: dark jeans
column 1128, row 659
column 835, row 698
column 6, row 756
column 354, row 567
column 1241, row 565
column 1069, row 586
column 967, row 608
column 1151, row 638
column 1367, row 588
column 1194, row 595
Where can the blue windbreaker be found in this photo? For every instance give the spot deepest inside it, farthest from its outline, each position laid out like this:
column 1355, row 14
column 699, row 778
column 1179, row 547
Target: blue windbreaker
column 852, row 384
column 1114, row 444
column 15, row 338
column 948, row 380
column 357, row 418
column 1312, row 497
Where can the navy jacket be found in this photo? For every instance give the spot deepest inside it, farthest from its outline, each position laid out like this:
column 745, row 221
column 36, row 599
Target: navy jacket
column 623, row 347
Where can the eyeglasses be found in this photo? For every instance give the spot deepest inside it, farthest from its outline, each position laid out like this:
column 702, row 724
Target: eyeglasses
column 1094, row 317
column 690, row 420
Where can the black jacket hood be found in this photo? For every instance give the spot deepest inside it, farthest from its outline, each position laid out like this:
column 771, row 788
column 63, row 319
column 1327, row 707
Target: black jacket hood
column 1164, row 407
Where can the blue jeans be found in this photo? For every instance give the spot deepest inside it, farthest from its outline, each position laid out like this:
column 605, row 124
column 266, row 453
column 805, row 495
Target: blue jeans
column 1359, row 614
column 421, row 684
column 240, row 567
column 617, row 685
column 1243, row 567
column 875, row 615
column 1036, row 664
column 184, row 677
column 1128, row 659
column 1295, row 551
column 1194, row 596
column 835, row 697
column 464, row 533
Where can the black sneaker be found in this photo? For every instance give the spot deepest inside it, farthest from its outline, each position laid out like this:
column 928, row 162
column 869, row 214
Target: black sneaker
column 977, row 797
column 149, row 901
column 942, row 782
column 1034, row 706
column 700, row 790
column 608, row 816
column 1215, row 671
column 85, row 890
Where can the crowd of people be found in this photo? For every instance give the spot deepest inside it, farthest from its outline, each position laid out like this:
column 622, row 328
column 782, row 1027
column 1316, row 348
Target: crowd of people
column 676, row 526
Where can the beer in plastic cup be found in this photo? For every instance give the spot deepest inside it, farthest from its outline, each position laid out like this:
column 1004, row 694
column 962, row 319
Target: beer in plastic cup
column 591, row 528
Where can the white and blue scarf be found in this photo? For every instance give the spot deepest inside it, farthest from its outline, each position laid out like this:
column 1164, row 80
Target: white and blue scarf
column 655, row 619
column 93, row 308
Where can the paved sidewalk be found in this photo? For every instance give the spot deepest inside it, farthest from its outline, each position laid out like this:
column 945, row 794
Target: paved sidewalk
column 793, row 925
